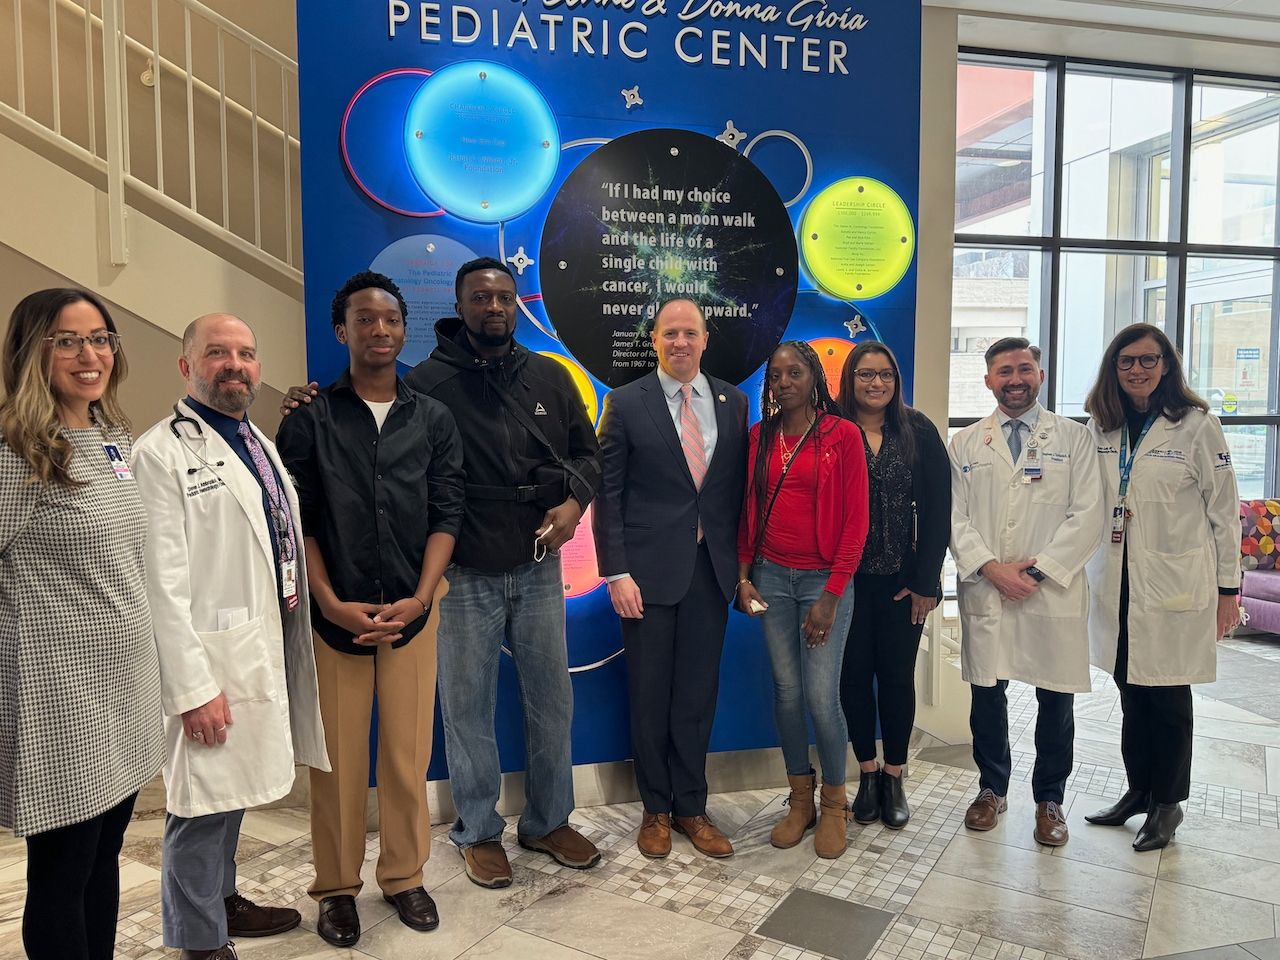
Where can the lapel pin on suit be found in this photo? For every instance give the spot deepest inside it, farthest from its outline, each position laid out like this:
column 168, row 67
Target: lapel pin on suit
column 722, row 398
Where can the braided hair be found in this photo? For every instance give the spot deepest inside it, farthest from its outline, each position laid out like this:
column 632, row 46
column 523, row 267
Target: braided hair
column 771, row 422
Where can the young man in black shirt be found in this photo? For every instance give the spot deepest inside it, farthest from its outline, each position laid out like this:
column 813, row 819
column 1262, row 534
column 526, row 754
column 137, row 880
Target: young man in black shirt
column 380, row 485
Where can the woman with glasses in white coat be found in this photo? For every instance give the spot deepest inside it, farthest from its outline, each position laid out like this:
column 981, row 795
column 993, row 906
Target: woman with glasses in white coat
column 1165, row 582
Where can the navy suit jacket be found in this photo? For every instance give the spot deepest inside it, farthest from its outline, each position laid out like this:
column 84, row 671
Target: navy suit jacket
column 647, row 511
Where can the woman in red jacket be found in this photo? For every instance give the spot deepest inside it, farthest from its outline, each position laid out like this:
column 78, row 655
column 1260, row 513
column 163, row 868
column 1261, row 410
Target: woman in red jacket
column 804, row 521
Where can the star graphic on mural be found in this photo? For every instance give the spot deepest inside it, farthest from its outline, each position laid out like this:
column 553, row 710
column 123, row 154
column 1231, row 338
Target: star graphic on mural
column 855, row 326
column 632, row 97
column 731, row 136
column 520, row 260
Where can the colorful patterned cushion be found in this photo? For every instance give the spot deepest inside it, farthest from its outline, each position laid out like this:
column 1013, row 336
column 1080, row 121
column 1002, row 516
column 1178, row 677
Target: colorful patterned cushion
column 1260, row 523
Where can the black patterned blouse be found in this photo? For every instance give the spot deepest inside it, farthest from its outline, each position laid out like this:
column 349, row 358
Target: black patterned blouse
column 889, row 539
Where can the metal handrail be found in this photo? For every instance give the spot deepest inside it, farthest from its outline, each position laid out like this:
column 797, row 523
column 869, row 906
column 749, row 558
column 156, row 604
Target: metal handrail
column 116, row 156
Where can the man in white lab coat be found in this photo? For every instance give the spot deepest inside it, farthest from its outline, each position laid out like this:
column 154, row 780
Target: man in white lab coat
column 226, row 582
column 1027, row 514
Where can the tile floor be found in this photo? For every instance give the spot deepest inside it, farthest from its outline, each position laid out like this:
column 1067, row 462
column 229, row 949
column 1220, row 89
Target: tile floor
column 930, row 892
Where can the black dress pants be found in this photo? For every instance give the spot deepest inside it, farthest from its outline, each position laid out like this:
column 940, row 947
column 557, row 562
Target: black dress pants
column 73, row 888
column 1055, row 740
column 1156, row 730
column 882, row 647
column 673, row 671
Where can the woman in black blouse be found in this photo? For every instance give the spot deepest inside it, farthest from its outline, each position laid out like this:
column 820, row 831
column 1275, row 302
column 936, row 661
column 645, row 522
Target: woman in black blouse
column 899, row 579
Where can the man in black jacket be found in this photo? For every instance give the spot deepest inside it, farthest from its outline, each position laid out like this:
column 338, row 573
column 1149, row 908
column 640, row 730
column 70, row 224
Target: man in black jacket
column 533, row 465
column 666, row 530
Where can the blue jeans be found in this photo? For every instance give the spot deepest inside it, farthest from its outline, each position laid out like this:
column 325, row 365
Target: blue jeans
column 803, row 676
column 525, row 608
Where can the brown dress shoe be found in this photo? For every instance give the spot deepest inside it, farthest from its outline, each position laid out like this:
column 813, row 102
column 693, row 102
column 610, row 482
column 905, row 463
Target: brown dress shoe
column 246, row 919
column 566, row 846
column 654, row 839
column 487, row 864
column 1051, row 824
column 985, row 810
column 704, row 835
column 227, row 952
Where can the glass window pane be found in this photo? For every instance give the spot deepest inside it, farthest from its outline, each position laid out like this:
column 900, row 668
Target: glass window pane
column 1235, row 151
column 1000, row 113
column 1249, row 445
column 1231, row 323
column 1116, row 134
column 1100, row 295
column 995, row 294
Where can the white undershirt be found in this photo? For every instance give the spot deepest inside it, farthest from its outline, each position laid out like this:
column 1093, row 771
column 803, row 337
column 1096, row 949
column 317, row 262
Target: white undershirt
column 379, row 409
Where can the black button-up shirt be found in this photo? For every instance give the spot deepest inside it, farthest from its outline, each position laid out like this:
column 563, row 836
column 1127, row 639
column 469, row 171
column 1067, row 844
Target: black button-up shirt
column 372, row 498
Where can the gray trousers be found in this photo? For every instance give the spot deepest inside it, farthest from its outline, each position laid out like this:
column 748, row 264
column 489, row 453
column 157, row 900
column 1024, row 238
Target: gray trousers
column 199, row 871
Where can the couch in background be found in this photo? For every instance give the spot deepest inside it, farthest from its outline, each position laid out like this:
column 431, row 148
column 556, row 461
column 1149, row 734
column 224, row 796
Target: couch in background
column 1260, row 591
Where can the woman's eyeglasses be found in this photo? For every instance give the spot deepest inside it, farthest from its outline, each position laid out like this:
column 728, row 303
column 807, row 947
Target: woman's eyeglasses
column 69, row 345
column 1147, row 360
column 866, row 376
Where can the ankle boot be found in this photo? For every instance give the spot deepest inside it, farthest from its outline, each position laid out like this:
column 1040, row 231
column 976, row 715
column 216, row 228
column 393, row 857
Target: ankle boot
column 1159, row 828
column 830, row 840
column 802, row 814
column 894, row 810
column 1130, row 805
column 866, row 805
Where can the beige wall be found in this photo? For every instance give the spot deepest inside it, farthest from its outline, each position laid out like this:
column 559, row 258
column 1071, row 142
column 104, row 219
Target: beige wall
column 153, row 384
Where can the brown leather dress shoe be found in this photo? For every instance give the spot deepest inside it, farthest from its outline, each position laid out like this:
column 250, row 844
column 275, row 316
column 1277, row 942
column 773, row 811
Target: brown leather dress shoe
column 985, row 810
column 654, row 839
column 566, row 846
column 416, row 908
column 487, row 864
column 246, row 919
column 226, row 952
column 1051, row 824
column 704, row 835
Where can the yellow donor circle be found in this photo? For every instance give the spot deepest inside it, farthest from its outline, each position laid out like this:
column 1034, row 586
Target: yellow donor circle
column 857, row 239
column 580, row 380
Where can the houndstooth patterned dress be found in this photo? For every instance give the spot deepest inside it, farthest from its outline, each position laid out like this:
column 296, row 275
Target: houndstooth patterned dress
column 80, row 716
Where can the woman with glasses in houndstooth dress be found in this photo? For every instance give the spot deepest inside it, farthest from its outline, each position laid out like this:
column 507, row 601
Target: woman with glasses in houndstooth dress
column 80, row 723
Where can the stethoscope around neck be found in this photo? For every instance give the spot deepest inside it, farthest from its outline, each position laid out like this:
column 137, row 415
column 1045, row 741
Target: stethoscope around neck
column 185, row 439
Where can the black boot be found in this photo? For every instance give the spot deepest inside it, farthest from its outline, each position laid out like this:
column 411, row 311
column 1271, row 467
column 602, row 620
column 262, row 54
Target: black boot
column 1130, row 805
column 866, row 805
column 1159, row 828
column 893, row 801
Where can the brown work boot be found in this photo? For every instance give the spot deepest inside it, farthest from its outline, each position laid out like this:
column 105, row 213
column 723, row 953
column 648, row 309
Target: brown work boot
column 654, row 839
column 985, row 810
column 830, row 840
column 566, row 846
column 801, row 816
column 487, row 864
column 704, row 835
column 1051, row 824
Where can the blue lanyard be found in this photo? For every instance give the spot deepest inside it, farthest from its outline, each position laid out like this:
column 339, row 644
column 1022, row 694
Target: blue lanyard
column 1126, row 466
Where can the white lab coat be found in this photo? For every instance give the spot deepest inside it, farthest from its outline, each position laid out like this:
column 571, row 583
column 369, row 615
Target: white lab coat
column 215, row 607
column 1042, row 640
column 1184, row 543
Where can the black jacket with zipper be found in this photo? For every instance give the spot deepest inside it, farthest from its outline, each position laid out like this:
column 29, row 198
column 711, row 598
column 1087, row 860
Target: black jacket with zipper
column 500, row 452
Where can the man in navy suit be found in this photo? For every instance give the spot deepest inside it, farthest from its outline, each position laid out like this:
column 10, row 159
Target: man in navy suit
column 666, row 526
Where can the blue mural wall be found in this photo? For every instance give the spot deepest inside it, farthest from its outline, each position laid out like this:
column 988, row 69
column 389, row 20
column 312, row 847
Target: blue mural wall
column 760, row 158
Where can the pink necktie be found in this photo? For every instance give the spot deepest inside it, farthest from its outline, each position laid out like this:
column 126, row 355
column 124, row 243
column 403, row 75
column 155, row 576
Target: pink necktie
column 695, row 453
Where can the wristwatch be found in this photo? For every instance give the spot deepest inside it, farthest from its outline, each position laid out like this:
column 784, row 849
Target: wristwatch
column 1035, row 574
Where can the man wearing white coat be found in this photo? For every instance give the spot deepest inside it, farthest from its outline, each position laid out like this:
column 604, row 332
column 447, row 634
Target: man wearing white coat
column 238, row 678
column 1027, row 515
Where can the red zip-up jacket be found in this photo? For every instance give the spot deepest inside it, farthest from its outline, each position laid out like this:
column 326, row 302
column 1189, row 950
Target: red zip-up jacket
column 843, row 509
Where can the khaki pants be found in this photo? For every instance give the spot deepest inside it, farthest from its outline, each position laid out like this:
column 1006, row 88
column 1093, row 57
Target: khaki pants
column 405, row 681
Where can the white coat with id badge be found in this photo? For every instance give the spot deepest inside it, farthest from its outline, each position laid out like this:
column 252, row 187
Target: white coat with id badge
column 216, row 606
column 1173, row 507
column 1047, row 505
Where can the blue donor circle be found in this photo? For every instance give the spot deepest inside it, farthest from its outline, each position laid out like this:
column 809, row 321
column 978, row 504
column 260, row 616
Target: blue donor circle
column 481, row 141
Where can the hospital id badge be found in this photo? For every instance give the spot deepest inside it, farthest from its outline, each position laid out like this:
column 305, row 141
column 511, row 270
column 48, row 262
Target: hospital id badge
column 1030, row 474
column 289, row 579
column 1117, row 523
